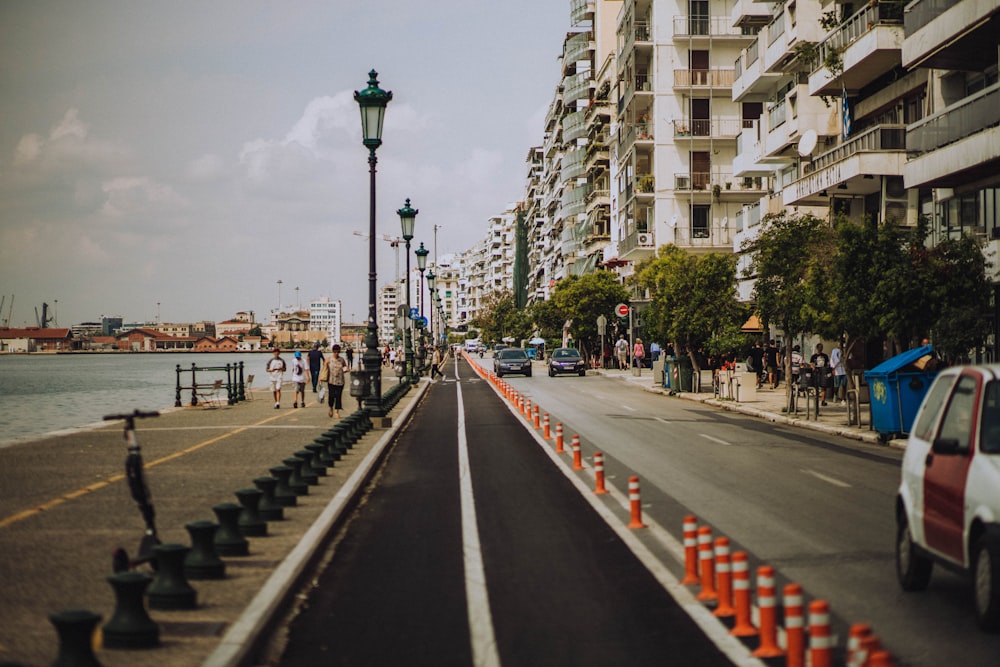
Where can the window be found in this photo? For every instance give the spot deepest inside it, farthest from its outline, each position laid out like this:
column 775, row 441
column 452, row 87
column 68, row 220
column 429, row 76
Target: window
column 698, row 17
column 927, row 421
column 989, row 433
column 957, row 422
column 700, row 214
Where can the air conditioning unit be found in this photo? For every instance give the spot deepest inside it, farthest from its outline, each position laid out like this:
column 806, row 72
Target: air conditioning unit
column 645, row 239
column 683, row 182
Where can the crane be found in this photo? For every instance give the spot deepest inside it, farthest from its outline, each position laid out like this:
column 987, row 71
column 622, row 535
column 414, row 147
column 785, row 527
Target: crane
column 394, row 242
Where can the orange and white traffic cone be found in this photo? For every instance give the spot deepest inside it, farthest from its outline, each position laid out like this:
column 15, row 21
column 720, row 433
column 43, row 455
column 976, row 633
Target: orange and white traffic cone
column 634, row 504
column 599, row 473
column 880, row 659
column 559, row 438
column 820, row 634
column 768, row 613
column 870, row 645
column 577, row 455
column 538, row 419
column 545, row 426
column 706, row 558
column 527, row 409
column 690, row 550
column 795, row 626
column 723, row 579
column 855, row 656
column 744, row 626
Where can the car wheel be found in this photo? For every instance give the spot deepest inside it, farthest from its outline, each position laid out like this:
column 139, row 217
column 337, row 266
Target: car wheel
column 912, row 568
column 986, row 581
column 528, row 374
column 552, row 373
column 499, row 374
column 582, row 373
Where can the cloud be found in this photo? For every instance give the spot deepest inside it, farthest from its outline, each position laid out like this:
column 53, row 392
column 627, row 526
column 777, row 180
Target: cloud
column 68, row 147
column 131, row 196
column 207, row 168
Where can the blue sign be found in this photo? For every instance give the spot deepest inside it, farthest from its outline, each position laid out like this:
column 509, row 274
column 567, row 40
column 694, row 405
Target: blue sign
column 413, row 313
column 422, row 321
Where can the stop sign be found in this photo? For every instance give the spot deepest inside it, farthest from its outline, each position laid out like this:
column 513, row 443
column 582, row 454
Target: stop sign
column 621, row 310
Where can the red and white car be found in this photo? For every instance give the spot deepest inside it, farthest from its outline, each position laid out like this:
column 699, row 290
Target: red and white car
column 948, row 506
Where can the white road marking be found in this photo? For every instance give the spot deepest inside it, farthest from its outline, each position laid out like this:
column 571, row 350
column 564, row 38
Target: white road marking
column 661, row 419
column 827, row 479
column 629, row 407
column 716, row 440
column 484, row 645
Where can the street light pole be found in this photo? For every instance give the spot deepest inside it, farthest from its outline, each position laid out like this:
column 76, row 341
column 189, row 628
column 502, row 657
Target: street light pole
column 431, row 311
column 372, row 102
column 421, row 254
column 408, row 218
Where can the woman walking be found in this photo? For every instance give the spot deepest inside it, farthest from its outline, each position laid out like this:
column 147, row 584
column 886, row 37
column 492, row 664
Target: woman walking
column 336, row 369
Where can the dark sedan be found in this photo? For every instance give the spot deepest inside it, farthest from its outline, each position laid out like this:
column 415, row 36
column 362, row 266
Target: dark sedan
column 511, row 360
column 566, row 360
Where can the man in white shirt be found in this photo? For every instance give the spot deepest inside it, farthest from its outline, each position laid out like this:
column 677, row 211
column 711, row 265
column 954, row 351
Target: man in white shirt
column 276, row 371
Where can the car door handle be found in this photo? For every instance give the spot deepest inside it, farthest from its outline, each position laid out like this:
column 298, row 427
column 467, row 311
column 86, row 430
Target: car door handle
column 929, row 460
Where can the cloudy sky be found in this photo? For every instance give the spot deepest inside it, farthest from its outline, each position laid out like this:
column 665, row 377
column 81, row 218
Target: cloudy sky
column 191, row 154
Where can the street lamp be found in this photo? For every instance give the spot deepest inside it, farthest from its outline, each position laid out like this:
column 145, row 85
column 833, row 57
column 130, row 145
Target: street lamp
column 421, row 254
column 408, row 219
column 430, row 289
column 372, row 102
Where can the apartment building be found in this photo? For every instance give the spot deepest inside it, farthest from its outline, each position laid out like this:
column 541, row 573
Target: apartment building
column 326, row 315
column 388, row 302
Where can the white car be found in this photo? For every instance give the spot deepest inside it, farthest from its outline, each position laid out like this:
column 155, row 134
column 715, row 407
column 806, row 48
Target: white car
column 948, row 505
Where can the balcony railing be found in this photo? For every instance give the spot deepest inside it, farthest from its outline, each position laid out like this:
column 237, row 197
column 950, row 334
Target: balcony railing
column 956, row 122
column 707, row 26
column 711, row 236
column 577, row 86
column 579, row 9
column 879, row 13
column 878, row 138
column 719, row 128
column 704, row 78
column 578, row 47
column 922, row 12
column 707, row 180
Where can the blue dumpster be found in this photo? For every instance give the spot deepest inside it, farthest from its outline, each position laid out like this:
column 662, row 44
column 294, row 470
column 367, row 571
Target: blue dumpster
column 896, row 388
column 669, row 364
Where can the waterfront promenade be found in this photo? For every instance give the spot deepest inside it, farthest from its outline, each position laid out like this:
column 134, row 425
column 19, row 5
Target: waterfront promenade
column 65, row 508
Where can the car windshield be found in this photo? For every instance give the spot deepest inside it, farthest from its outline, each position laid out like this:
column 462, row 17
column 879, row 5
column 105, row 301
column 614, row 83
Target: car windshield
column 513, row 354
column 563, row 353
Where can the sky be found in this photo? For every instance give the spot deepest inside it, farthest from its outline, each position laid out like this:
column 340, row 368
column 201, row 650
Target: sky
column 175, row 160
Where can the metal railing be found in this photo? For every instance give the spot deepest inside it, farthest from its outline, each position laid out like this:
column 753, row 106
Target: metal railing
column 878, row 138
column 234, row 383
column 965, row 117
column 880, row 13
column 714, row 78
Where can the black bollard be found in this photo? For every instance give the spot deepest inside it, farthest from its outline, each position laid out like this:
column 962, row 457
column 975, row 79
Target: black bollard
column 229, row 541
column 295, row 481
column 130, row 626
column 170, row 588
column 75, row 628
column 325, row 455
column 306, row 471
column 203, row 561
column 319, row 458
column 251, row 523
column 283, row 492
column 269, row 508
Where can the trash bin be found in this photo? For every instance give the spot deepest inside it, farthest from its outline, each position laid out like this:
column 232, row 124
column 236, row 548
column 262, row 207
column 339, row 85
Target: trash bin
column 896, row 388
column 683, row 374
column 669, row 368
column 658, row 366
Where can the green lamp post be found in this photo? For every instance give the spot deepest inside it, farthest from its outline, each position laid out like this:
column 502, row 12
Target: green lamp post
column 408, row 219
column 430, row 311
column 372, row 102
column 421, row 254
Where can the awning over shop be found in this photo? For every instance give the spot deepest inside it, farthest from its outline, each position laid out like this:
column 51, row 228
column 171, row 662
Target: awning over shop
column 752, row 325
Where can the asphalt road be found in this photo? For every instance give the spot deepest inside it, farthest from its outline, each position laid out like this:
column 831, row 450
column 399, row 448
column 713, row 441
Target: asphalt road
column 471, row 547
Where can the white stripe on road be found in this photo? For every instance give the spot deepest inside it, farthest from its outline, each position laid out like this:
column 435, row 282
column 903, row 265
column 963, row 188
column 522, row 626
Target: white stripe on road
column 716, row 440
column 827, row 479
column 484, row 645
column 629, row 407
column 661, row 419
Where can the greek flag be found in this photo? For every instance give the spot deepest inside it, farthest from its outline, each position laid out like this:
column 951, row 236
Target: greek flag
column 845, row 113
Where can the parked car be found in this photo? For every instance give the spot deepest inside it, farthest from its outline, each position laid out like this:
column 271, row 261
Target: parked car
column 511, row 360
column 566, row 360
column 948, row 505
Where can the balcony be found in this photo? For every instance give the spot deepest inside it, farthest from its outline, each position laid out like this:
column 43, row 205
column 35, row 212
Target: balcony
column 705, row 128
column 850, row 167
column 577, row 86
column 717, row 236
column 581, row 10
column 786, row 31
column 572, row 165
column 960, row 144
column 864, row 47
column 750, row 159
column 720, row 184
column 578, row 47
column 574, row 126
column 638, row 36
column 751, row 78
column 636, row 246
column 945, row 34
column 794, row 112
column 716, row 80
column 715, row 27
column 750, row 14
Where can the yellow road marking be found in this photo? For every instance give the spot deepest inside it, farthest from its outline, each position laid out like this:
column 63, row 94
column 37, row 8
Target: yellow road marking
column 72, row 495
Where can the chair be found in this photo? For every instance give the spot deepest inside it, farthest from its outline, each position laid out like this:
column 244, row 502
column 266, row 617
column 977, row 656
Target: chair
column 209, row 395
column 246, row 388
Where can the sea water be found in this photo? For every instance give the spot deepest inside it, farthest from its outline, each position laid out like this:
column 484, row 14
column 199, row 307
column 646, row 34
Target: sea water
column 45, row 393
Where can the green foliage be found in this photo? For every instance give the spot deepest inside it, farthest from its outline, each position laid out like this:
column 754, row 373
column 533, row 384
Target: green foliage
column 693, row 300
column 583, row 299
column 499, row 317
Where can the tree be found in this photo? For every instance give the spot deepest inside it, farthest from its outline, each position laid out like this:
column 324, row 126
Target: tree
column 959, row 296
column 498, row 318
column 693, row 301
column 581, row 300
column 791, row 259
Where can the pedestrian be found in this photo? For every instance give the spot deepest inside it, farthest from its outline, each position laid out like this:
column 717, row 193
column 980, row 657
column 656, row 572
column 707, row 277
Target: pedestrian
column 638, row 353
column 820, row 361
column 436, row 363
column 350, row 357
column 771, row 364
column 336, row 370
column 276, row 372
column 621, row 350
column 755, row 362
column 796, row 364
column 316, row 360
column 837, row 363
column 298, row 380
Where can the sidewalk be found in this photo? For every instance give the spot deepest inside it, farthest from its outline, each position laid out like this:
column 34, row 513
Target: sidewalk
column 768, row 404
column 66, row 507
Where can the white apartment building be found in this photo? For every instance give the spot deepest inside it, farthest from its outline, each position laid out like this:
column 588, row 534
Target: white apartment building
column 326, row 315
column 388, row 301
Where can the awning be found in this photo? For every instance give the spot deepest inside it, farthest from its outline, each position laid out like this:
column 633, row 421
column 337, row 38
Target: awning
column 752, row 325
column 536, row 341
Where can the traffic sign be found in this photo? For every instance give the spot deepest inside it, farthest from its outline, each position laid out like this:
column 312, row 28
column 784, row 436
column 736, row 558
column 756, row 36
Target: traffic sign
column 621, row 310
column 414, row 312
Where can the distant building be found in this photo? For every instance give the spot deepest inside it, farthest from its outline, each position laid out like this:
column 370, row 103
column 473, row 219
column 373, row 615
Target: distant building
column 35, row 339
column 326, row 316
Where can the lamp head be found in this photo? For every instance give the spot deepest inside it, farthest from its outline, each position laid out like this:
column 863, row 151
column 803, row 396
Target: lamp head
column 408, row 219
column 421, row 254
column 372, row 101
column 430, row 279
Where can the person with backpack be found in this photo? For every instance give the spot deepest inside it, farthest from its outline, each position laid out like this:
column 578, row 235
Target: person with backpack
column 299, row 381
column 276, row 372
